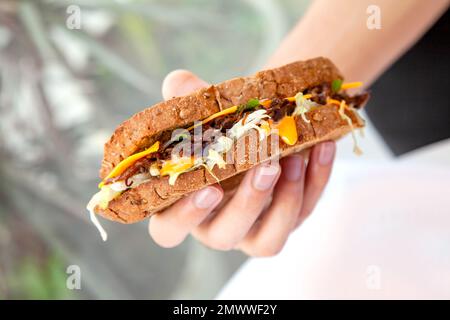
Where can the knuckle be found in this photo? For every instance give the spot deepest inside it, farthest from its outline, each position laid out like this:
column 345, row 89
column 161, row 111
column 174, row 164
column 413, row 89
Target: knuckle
column 219, row 242
column 270, row 252
column 264, row 250
column 319, row 180
column 251, row 204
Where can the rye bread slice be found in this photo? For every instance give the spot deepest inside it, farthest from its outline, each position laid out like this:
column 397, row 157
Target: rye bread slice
column 144, row 128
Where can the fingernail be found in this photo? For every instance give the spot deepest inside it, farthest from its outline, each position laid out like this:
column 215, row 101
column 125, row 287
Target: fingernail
column 326, row 153
column 265, row 176
column 293, row 168
column 206, row 198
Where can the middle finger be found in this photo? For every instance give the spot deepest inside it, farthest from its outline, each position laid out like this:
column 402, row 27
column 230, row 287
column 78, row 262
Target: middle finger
column 269, row 236
column 233, row 221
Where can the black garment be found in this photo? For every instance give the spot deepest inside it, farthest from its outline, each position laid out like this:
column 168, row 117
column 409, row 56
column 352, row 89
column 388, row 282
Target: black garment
column 410, row 104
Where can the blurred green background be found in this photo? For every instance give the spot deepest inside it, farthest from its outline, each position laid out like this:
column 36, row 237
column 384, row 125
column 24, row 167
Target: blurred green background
column 62, row 92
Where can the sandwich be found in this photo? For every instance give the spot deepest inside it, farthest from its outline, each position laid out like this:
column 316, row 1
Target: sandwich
column 215, row 134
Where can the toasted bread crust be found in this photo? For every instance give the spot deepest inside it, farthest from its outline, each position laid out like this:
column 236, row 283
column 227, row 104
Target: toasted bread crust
column 144, row 128
column 151, row 197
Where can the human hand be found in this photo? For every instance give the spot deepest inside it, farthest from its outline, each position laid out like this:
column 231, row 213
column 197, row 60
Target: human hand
column 270, row 202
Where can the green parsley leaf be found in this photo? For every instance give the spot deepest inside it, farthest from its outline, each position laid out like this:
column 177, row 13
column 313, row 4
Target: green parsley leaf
column 336, row 85
column 252, row 104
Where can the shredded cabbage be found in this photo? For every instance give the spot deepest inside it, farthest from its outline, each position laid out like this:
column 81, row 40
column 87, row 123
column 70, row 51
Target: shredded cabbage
column 97, row 224
column 261, row 132
column 302, row 106
column 100, row 199
column 251, row 122
column 154, row 170
column 173, row 177
column 356, row 149
column 214, row 158
column 361, row 132
column 133, row 181
column 223, row 144
column 210, row 171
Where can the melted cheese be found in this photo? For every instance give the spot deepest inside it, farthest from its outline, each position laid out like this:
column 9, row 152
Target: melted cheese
column 287, row 130
column 265, row 125
column 265, row 103
column 101, row 199
column 214, row 158
column 126, row 163
column 174, row 167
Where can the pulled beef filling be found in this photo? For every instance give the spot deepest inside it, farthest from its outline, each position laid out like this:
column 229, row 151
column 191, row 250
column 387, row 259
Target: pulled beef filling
column 278, row 109
column 320, row 94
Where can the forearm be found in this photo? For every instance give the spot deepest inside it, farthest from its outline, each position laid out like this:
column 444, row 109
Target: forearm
column 338, row 30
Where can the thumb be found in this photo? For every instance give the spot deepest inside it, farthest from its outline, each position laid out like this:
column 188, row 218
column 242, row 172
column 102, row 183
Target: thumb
column 181, row 82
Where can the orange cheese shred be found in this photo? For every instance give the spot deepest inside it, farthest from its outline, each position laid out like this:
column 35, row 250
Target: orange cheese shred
column 351, row 85
column 126, row 163
column 226, row 111
column 265, row 103
column 287, row 130
column 333, row 101
column 292, row 99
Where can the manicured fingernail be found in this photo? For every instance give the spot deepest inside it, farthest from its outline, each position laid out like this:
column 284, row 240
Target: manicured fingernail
column 206, row 198
column 265, row 176
column 326, row 153
column 293, row 168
